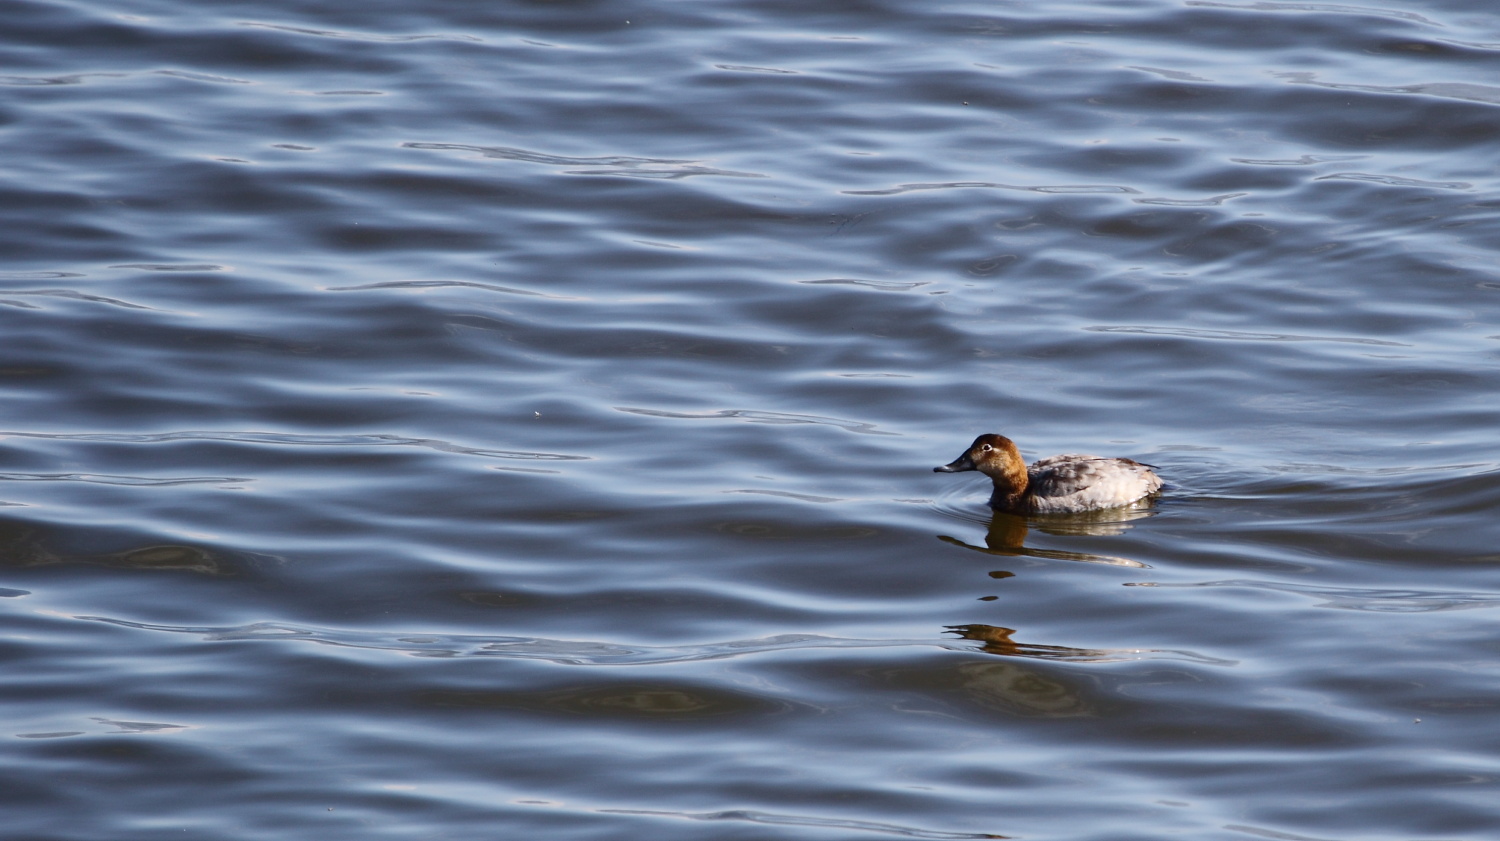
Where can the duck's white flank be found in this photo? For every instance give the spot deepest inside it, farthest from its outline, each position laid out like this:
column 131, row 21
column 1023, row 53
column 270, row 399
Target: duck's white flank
column 1056, row 484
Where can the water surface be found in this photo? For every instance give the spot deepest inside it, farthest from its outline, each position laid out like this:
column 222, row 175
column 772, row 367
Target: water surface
column 517, row 420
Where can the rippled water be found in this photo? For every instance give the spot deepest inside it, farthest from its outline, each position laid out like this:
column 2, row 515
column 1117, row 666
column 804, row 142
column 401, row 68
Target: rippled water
column 515, row 420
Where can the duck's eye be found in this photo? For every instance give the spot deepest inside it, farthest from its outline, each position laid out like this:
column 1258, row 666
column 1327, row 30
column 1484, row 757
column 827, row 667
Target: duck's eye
column 987, row 448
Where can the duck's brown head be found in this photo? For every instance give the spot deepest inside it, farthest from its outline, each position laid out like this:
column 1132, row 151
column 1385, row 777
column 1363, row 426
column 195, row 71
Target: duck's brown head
column 996, row 457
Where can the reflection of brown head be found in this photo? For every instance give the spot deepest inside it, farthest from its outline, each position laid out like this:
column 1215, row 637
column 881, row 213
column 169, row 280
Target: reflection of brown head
column 995, row 638
column 997, row 641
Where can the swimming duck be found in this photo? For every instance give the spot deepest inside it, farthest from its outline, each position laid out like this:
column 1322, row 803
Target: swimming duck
column 1055, row 484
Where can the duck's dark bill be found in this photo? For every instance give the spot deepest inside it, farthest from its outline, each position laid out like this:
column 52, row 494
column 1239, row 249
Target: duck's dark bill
column 958, row 465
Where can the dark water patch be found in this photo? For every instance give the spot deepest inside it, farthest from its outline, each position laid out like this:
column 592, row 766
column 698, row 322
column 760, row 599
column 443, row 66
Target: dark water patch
column 624, row 701
column 23, row 546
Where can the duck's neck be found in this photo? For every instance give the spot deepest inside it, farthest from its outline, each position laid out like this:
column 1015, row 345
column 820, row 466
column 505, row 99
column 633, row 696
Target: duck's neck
column 1008, row 501
column 1010, row 481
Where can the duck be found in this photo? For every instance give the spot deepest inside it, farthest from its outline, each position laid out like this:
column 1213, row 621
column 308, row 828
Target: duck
column 1057, row 484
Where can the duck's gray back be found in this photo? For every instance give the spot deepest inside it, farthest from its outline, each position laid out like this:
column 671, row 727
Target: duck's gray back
column 1076, row 482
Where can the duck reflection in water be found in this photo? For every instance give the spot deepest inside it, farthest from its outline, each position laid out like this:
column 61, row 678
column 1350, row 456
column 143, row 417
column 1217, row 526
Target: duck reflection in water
column 1007, row 533
column 997, row 641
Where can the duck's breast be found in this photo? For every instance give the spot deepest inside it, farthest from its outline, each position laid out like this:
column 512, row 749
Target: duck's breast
column 1075, row 482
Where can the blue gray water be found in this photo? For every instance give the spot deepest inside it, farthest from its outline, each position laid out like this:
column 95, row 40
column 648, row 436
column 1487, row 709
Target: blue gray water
column 515, row 420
